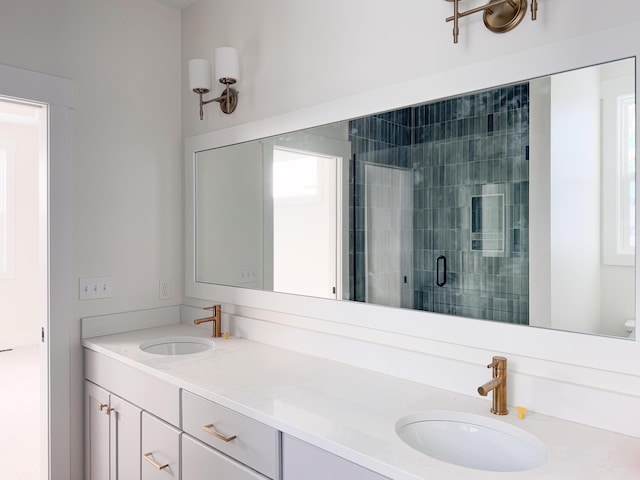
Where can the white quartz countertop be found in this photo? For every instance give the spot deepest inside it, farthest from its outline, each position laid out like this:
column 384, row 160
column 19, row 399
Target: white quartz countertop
column 352, row 412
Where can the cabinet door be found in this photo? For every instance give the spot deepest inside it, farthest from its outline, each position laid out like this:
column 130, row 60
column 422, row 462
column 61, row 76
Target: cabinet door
column 200, row 462
column 96, row 432
column 301, row 461
column 160, row 449
column 126, row 423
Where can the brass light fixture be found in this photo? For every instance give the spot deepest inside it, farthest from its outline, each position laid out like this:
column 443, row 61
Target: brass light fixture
column 499, row 16
column 227, row 72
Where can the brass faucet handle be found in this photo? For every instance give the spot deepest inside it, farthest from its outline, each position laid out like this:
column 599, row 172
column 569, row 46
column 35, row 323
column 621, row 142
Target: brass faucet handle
column 499, row 363
column 213, row 308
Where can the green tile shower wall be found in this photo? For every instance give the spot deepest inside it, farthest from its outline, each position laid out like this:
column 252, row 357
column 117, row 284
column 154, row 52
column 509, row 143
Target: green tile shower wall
column 454, row 148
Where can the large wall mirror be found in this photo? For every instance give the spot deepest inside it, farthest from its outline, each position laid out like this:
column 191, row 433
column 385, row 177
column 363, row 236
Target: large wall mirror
column 514, row 204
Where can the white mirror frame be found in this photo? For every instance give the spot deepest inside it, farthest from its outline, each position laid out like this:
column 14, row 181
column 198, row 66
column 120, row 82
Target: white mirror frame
column 602, row 353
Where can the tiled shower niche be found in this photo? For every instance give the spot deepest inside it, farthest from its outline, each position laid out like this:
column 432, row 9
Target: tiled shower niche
column 468, row 158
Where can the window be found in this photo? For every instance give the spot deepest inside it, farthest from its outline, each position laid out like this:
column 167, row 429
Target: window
column 618, row 143
column 627, row 175
column 6, row 217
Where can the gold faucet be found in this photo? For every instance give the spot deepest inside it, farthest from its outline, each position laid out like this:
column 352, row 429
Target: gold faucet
column 498, row 384
column 215, row 318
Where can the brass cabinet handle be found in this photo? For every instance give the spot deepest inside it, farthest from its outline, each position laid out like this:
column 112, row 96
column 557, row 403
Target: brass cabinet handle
column 147, row 457
column 211, row 430
column 104, row 407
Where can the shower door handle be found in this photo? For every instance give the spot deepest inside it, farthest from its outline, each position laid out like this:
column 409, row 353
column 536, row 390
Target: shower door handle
column 441, row 271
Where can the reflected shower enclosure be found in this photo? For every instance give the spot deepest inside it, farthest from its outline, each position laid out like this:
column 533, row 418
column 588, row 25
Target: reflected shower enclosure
column 460, row 222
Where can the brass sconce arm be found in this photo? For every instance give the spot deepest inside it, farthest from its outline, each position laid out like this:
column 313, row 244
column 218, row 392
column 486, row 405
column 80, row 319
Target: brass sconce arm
column 499, row 15
column 479, row 9
column 228, row 100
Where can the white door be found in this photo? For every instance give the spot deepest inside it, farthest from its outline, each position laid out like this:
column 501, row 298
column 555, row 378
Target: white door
column 388, row 236
column 125, row 422
column 160, row 449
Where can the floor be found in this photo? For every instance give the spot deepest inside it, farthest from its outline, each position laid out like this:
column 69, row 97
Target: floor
column 20, row 414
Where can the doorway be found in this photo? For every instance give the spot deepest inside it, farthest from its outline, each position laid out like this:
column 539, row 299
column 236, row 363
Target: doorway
column 23, row 288
column 388, row 236
column 305, row 223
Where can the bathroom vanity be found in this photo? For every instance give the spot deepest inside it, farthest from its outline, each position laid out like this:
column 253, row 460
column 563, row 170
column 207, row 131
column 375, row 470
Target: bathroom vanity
column 247, row 410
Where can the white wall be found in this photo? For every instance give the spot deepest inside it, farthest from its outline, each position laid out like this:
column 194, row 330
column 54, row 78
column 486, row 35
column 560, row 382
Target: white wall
column 540, row 196
column 297, row 54
column 124, row 58
column 332, row 61
column 575, row 210
column 230, row 190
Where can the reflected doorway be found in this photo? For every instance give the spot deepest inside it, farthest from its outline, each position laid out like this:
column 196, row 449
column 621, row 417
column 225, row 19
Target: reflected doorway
column 305, row 223
column 388, row 236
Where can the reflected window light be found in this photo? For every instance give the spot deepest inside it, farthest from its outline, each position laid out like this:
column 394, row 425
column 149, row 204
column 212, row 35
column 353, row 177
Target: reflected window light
column 295, row 174
column 627, row 169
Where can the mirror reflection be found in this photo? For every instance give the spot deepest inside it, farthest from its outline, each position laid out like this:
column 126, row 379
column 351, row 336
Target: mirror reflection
column 514, row 204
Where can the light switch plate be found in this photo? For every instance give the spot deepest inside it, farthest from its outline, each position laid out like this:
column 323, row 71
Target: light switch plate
column 91, row 288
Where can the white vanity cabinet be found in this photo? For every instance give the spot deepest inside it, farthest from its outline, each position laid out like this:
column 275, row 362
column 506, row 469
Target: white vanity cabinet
column 96, row 422
column 200, row 461
column 302, row 461
column 112, row 440
column 160, row 449
column 117, row 399
column 250, row 442
column 139, row 427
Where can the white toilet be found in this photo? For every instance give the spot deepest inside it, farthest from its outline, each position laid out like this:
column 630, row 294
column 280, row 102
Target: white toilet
column 630, row 327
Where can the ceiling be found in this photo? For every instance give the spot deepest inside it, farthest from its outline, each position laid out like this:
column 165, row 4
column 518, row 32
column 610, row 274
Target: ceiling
column 179, row 4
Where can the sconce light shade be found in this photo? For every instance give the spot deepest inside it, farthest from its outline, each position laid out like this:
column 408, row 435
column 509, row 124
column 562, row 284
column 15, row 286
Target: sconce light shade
column 227, row 72
column 199, row 75
column 227, row 65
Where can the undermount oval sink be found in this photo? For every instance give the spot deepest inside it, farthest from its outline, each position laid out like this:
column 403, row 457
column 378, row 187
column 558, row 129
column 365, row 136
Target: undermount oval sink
column 472, row 441
column 177, row 345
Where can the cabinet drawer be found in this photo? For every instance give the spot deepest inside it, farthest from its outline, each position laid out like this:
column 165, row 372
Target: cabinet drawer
column 302, row 461
column 200, row 461
column 253, row 443
column 160, row 449
column 140, row 388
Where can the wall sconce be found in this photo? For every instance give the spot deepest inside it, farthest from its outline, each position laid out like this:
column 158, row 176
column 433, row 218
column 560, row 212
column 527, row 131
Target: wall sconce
column 500, row 16
column 227, row 70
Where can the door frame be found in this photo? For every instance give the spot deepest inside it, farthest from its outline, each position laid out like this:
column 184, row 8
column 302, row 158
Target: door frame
column 331, row 181
column 63, row 344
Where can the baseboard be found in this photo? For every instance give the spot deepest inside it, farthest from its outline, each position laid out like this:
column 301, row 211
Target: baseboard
column 15, row 341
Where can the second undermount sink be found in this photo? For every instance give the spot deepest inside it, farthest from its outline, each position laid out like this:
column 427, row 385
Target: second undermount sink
column 177, row 345
column 472, row 441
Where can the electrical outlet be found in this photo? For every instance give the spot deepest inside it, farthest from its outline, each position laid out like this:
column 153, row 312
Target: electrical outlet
column 91, row 288
column 165, row 289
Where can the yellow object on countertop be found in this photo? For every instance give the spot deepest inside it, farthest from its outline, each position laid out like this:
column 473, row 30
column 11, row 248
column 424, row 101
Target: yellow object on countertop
column 226, row 335
column 521, row 412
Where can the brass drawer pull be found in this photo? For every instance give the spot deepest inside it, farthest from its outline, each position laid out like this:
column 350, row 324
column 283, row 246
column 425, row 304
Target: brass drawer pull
column 211, row 430
column 104, row 407
column 147, row 457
